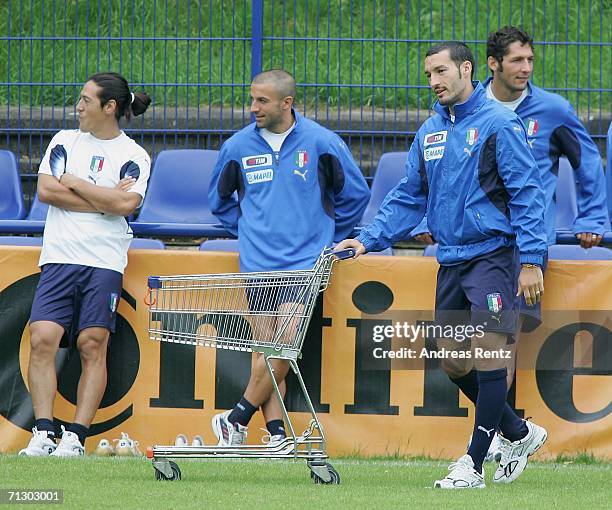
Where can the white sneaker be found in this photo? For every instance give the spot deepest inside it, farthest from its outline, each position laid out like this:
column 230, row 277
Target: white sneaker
column 197, row 441
column 228, row 434
column 69, row 446
column 274, row 441
column 40, row 445
column 494, row 452
column 181, row 440
column 104, row 448
column 462, row 476
column 127, row 447
column 515, row 454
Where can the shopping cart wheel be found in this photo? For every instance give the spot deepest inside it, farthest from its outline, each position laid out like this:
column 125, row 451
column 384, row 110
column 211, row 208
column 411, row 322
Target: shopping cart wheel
column 167, row 471
column 324, row 474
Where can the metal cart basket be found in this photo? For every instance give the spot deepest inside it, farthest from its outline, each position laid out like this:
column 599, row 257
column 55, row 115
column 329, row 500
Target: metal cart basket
column 265, row 312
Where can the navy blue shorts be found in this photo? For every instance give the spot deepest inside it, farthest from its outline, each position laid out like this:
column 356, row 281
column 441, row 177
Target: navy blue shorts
column 268, row 294
column 480, row 292
column 77, row 297
column 532, row 315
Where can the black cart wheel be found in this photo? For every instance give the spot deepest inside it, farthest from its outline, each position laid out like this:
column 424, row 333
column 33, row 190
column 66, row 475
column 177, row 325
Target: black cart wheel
column 176, row 473
column 335, row 477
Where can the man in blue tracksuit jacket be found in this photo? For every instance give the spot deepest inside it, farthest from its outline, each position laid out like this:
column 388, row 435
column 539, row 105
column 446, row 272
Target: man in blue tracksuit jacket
column 471, row 169
column 553, row 130
column 287, row 187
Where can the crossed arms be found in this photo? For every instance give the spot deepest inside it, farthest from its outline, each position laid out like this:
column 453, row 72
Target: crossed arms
column 75, row 194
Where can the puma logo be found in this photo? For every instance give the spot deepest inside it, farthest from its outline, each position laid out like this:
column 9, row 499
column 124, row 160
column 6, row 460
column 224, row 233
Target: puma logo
column 467, row 151
column 485, row 430
column 302, row 175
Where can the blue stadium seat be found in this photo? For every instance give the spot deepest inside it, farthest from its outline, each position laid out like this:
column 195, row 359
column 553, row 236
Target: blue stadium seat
column 20, row 241
column 176, row 202
column 430, row 250
column 35, row 220
column 566, row 205
column 220, row 245
column 566, row 197
column 147, row 244
column 609, row 170
column 575, row 252
column 11, row 198
column 391, row 169
column 38, row 210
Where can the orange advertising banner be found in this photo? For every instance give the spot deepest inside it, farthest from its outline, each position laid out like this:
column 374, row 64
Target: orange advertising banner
column 158, row 390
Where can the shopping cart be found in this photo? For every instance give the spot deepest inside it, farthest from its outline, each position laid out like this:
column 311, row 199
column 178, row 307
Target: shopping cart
column 265, row 312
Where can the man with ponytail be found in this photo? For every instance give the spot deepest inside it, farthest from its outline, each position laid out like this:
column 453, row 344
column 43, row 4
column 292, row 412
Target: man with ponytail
column 92, row 178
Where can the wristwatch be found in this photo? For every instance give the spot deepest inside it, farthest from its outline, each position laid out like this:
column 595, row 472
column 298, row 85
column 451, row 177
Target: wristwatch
column 530, row 265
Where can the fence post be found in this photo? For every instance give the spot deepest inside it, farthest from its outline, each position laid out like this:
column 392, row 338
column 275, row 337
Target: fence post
column 256, row 36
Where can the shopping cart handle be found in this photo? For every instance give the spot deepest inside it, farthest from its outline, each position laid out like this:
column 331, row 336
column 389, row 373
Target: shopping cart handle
column 349, row 253
column 154, row 282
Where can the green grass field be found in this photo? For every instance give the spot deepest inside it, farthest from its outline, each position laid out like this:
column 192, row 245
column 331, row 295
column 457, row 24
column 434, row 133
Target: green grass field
column 338, row 42
column 91, row 483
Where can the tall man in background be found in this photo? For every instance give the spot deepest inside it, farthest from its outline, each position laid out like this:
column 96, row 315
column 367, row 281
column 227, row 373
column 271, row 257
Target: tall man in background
column 553, row 131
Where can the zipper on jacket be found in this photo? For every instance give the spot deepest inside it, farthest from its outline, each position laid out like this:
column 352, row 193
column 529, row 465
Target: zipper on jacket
column 276, row 154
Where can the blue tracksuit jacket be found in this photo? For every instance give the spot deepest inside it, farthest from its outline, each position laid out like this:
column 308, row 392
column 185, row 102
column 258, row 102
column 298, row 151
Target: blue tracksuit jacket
column 286, row 207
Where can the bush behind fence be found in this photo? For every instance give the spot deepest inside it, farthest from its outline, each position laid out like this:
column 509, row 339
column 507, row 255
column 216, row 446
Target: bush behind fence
column 358, row 63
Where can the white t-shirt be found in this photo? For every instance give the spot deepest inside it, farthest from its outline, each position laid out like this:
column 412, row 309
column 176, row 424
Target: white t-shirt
column 513, row 105
column 275, row 140
column 91, row 239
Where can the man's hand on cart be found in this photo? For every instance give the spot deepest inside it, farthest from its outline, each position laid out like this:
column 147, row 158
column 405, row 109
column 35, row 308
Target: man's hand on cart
column 351, row 243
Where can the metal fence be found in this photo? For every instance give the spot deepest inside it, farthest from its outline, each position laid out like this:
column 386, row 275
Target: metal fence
column 358, row 63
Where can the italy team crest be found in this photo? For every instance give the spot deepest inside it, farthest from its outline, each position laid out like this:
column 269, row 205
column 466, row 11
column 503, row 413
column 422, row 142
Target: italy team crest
column 471, row 136
column 494, row 302
column 114, row 301
column 97, row 162
column 301, row 159
column 532, row 127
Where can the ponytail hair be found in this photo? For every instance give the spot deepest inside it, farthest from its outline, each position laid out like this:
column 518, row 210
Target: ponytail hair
column 140, row 103
column 114, row 86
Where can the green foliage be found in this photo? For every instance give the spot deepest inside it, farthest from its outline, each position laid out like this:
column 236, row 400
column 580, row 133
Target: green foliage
column 348, row 53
